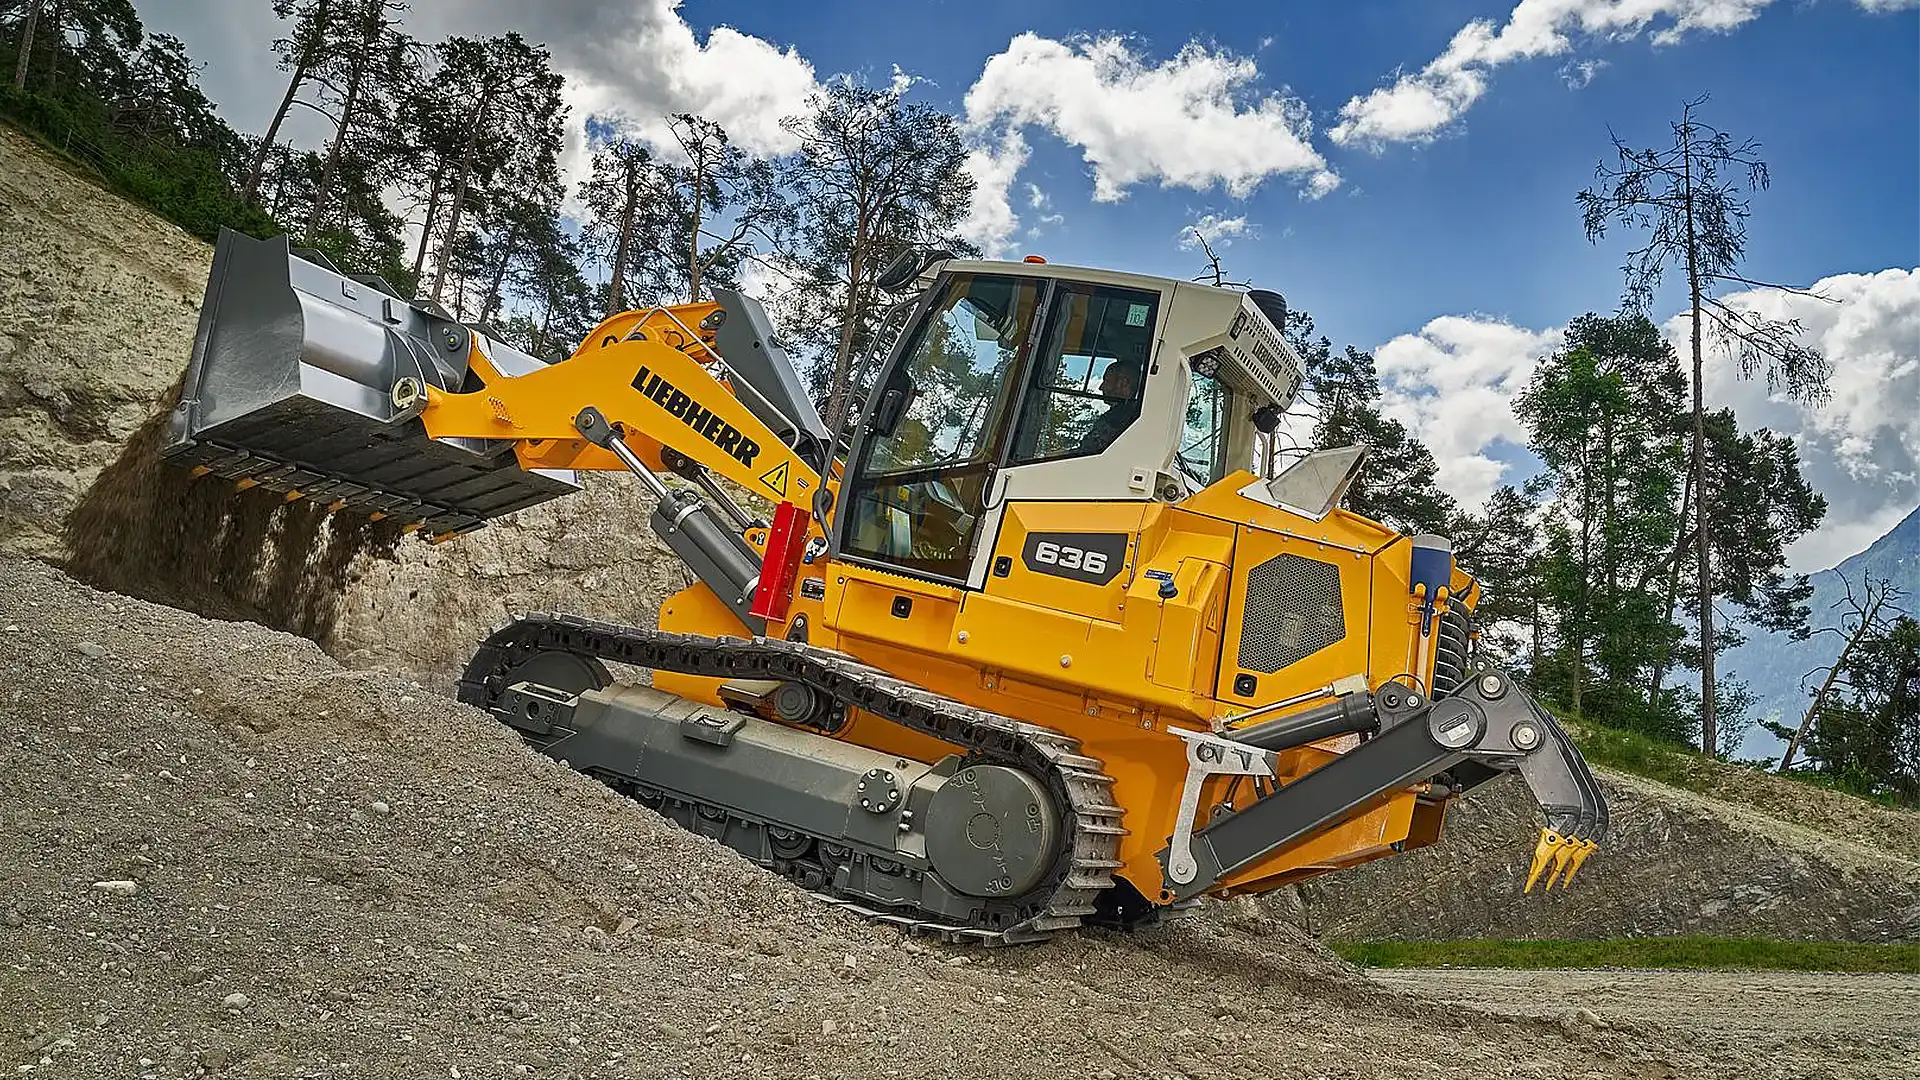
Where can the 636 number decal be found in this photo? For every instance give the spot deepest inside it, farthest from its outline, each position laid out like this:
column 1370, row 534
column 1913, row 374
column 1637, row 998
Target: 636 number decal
column 1094, row 558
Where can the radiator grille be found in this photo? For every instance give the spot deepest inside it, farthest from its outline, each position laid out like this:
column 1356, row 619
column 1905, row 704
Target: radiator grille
column 1292, row 611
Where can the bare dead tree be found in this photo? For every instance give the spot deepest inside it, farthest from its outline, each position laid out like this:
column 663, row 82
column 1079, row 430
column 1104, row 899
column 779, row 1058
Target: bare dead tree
column 1690, row 199
column 1866, row 611
column 1214, row 275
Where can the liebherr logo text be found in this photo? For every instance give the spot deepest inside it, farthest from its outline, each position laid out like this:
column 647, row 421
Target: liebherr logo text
column 705, row 423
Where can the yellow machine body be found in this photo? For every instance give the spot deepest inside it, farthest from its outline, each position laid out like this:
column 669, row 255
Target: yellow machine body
column 1116, row 666
column 1229, row 682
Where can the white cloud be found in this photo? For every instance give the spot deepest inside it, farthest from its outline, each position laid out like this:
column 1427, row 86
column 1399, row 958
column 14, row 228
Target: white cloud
column 993, row 164
column 902, row 81
column 1036, row 198
column 1418, row 106
column 1218, row 231
column 1836, row 539
column 1193, row 121
column 767, row 278
column 1453, row 385
column 1580, row 73
column 641, row 62
column 636, row 63
column 1861, row 448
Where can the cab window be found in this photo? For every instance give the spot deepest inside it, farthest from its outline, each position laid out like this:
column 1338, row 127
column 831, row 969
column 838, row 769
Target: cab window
column 938, row 426
column 1202, row 454
column 1091, row 371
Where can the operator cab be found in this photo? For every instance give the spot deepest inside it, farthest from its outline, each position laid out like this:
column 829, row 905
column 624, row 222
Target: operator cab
column 1035, row 382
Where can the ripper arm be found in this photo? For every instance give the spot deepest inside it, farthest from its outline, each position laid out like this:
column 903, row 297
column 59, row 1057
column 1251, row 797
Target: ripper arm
column 1490, row 723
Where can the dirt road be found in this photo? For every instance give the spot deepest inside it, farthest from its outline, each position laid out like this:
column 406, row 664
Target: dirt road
column 1793, row 1013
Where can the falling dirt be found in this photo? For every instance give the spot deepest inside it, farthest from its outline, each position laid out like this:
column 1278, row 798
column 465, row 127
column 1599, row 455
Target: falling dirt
column 151, row 529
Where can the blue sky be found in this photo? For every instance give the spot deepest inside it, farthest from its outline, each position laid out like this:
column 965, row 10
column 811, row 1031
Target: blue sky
column 1482, row 220
column 1453, row 249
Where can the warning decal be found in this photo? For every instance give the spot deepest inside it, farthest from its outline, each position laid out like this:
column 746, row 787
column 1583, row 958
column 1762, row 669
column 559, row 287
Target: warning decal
column 776, row 480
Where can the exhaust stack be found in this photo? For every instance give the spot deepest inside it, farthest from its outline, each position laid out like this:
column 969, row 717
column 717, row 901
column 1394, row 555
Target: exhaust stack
column 296, row 384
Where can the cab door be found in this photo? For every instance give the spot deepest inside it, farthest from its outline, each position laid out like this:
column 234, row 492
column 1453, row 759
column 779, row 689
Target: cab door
column 934, row 436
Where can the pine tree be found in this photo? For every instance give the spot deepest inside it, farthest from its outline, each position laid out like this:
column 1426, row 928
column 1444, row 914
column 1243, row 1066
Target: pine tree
column 513, row 121
column 722, row 205
column 1500, row 546
column 1690, row 198
column 875, row 174
column 1604, row 415
column 620, row 196
column 372, row 60
column 1866, row 734
column 1398, row 484
column 29, row 24
column 311, row 42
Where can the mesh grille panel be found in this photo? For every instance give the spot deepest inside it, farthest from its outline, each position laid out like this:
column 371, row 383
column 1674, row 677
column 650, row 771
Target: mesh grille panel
column 1292, row 611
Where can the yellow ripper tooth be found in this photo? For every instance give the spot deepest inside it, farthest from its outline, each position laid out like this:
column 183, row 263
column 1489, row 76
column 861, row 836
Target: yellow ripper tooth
column 1542, row 852
column 336, row 506
column 201, row 470
column 245, row 483
column 295, row 496
column 1586, row 848
column 1560, row 857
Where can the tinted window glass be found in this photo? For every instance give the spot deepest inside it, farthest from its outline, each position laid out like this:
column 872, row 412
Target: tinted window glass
column 1091, row 371
column 916, row 497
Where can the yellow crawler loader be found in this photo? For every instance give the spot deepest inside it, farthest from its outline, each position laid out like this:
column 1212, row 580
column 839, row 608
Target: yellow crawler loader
column 1028, row 646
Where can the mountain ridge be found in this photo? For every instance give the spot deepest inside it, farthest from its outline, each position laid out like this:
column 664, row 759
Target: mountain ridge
column 1772, row 665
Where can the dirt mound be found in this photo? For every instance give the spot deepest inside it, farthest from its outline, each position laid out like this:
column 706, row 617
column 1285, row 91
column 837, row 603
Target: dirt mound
column 153, row 530
column 230, row 855
column 1676, row 863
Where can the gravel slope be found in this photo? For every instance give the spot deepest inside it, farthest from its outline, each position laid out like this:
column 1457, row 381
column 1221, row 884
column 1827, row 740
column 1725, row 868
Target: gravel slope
column 1782, row 1012
column 227, row 854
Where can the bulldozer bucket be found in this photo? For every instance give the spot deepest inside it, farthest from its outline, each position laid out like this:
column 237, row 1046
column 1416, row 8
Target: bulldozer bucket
column 291, row 387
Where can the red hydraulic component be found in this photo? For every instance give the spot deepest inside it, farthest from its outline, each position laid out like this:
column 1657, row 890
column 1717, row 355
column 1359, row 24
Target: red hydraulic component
column 779, row 568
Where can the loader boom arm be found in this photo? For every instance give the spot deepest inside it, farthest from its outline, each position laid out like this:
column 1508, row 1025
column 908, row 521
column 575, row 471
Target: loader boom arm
column 649, row 373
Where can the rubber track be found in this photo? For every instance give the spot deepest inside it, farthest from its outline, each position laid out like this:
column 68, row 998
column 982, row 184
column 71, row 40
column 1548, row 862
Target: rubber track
column 1081, row 788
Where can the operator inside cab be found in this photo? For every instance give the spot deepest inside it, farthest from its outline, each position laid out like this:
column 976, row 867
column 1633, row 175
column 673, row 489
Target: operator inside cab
column 1120, row 386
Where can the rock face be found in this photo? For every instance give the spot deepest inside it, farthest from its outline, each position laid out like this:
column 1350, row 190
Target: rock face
column 589, row 554
column 1677, row 863
column 97, row 316
column 98, row 303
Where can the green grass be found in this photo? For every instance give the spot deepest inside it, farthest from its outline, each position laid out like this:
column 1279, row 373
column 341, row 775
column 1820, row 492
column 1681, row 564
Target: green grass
column 1680, row 766
column 1632, row 752
column 1695, row 953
